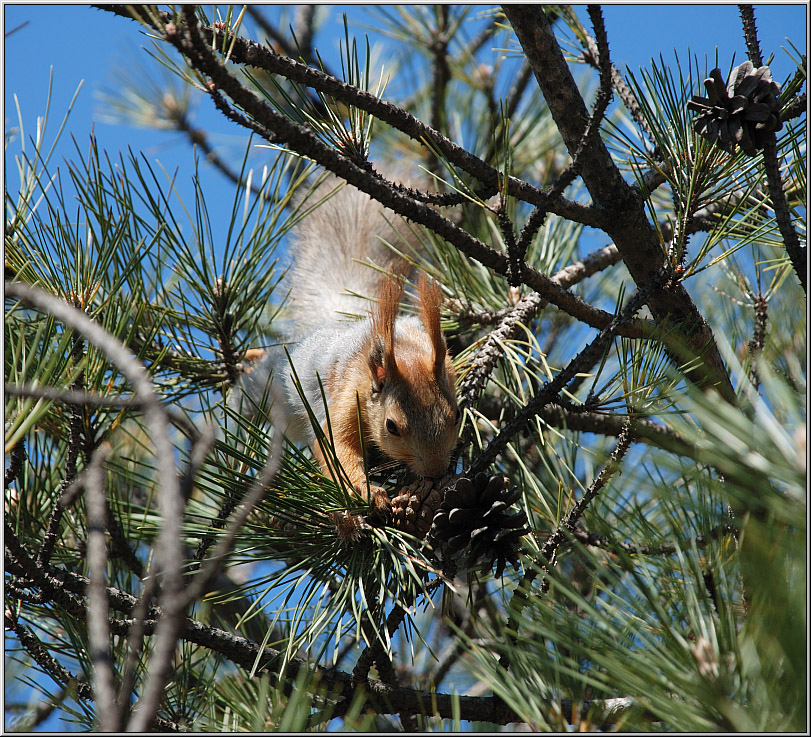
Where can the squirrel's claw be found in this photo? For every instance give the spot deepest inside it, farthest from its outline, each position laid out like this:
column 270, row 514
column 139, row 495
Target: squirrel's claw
column 381, row 506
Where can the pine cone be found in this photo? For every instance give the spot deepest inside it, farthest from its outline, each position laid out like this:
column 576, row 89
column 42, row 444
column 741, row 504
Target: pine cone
column 740, row 113
column 475, row 514
column 414, row 507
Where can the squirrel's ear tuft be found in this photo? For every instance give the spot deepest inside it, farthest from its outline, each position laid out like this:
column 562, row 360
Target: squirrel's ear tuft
column 430, row 301
column 383, row 317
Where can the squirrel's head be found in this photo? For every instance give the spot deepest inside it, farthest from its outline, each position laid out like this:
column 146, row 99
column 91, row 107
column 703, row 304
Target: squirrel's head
column 413, row 417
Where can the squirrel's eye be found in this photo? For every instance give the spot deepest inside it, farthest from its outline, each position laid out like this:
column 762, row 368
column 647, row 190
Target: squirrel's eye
column 392, row 428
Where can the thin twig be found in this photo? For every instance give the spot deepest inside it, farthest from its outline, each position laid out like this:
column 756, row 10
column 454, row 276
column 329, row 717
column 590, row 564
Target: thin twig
column 17, row 457
column 750, row 34
column 76, row 397
column 669, row 548
column 592, row 128
column 796, row 251
column 591, row 56
column 75, row 427
column 198, row 137
column 46, row 661
column 771, row 163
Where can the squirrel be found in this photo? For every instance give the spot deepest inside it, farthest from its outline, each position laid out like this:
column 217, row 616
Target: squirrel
column 387, row 374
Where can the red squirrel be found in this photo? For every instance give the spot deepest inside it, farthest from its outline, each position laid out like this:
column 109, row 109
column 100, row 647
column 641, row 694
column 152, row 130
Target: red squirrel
column 394, row 368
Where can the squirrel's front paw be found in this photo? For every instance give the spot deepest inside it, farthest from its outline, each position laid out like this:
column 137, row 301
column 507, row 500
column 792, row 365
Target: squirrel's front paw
column 380, row 499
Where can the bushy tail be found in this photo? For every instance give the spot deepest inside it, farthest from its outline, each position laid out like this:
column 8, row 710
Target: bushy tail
column 338, row 250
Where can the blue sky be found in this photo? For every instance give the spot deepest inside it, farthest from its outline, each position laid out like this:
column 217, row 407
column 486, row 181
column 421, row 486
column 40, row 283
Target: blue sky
column 85, row 44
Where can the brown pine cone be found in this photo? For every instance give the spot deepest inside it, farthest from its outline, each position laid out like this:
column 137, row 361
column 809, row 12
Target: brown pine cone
column 475, row 515
column 414, row 506
column 741, row 112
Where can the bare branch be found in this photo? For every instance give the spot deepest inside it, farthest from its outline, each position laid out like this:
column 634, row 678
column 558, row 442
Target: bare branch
column 97, row 630
column 669, row 548
column 169, row 552
column 750, row 34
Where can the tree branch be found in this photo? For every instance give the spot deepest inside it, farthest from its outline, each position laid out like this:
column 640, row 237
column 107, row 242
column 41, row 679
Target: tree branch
column 586, row 358
column 627, row 223
column 566, row 527
column 305, row 143
column 521, row 314
column 61, row 584
column 98, row 632
column 771, row 163
column 250, row 53
column 169, row 552
column 670, row 548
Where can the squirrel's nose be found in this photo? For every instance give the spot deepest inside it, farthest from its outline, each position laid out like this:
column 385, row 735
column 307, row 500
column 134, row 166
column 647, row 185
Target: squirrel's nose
column 435, row 469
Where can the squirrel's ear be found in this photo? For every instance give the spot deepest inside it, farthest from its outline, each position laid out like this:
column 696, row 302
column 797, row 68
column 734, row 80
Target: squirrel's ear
column 381, row 354
column 430, row 301
column 377, row 361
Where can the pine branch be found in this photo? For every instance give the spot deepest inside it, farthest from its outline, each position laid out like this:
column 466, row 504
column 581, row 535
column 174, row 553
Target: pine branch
column 579, row 419
column 580, row 363
column 46, row 661
column 521, row 314
column 628, row 226
column 303, row 32
column 796, row 251
column 771, row 163
column 169, row 553
column 58, row 585
column 566, row 527
column 250, row 53
column 305, row 143
column 755, row 345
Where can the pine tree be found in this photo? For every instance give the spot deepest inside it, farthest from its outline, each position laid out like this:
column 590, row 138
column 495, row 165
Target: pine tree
column 623, row 541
